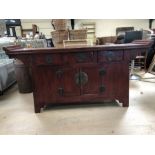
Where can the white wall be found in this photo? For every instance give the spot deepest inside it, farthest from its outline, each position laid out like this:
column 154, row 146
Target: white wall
column 107, row 27
column 104, row 27
column 44, row 25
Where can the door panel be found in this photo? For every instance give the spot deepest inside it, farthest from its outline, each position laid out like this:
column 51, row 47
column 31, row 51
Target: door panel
column 114, row 78
column 56, row 83
column 93, row 80
column 71, row 88
column 61, row 83
column 47, row 83
column 104, row 79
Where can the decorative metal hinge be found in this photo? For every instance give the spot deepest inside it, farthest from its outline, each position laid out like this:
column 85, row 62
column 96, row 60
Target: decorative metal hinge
column 102, row 88
column 48, row 59
column 59, row 73
column 102, row 72
column 61, row 91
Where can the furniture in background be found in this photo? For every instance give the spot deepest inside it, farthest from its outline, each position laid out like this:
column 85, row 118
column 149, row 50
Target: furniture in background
column 151, row 53
column 78, row 74
column 23, row 77
column 122, row 30
column 59, row 24
column 120, row 33
column 106, row 40
column 58, row 37
column 3, row 55
column 132, row 35
column 79, row 42
column 91, row 30
column 15, row 70
column 22, row 73
column 32, row 30
column 6, row 41
column 62, row 34
column 7, row 74
column 32, row 43
column 140, row 60
column 77, row 34
column 133, row 75
column 49, row 42
column 7, row 71
column 13, row 27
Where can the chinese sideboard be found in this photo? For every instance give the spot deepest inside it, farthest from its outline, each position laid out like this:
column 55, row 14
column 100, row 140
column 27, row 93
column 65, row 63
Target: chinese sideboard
column 78, row 74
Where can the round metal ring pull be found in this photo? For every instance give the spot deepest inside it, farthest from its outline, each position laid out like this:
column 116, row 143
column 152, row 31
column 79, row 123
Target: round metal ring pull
column 81, row 78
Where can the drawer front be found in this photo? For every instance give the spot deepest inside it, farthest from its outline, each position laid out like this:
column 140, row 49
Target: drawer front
column 110, row 56
column 80, row 57
column 48, row 59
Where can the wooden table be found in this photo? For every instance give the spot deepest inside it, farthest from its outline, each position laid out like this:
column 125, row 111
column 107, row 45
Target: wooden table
column 78, row 74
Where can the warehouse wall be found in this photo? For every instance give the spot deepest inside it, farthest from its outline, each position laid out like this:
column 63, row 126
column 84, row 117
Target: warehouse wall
column 107, row 27
column 104, row 27
column 44, row 25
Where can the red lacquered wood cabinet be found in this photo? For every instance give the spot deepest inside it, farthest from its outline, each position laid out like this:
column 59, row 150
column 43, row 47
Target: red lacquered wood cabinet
column 78, row 74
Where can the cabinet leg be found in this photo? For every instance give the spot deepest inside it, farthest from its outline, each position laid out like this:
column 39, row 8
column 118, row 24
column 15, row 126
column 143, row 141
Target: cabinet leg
column 125, row 102
column 37, row 109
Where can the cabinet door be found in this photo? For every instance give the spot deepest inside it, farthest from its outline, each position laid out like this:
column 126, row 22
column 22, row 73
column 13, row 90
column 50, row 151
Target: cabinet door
column 69, row 81
column 54, row 83
column 114, row 79
column 46, row 83
column 90, row 80
column 102, row 79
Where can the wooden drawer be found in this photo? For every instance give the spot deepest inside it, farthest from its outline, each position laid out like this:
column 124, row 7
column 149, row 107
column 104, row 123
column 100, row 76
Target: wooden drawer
column 80, row 57
column 48, row 59
column 108, row 56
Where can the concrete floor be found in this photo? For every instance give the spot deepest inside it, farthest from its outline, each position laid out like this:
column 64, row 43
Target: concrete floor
column 17, row 115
